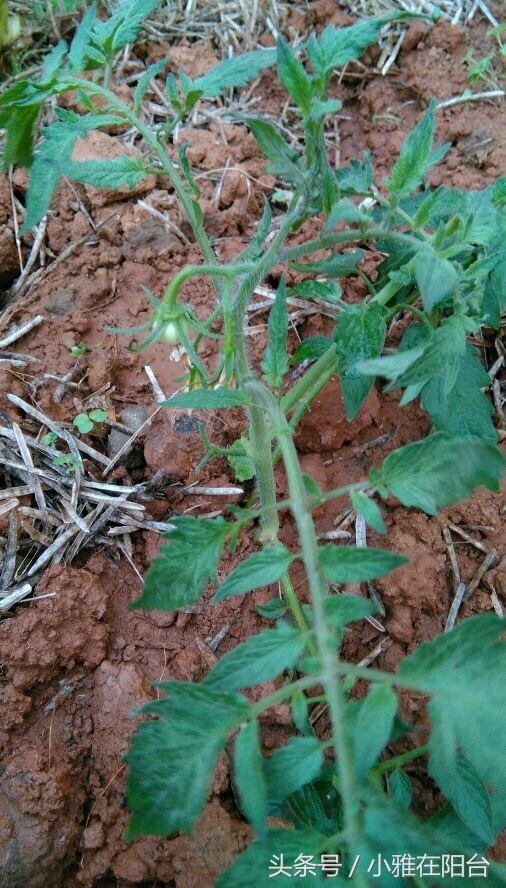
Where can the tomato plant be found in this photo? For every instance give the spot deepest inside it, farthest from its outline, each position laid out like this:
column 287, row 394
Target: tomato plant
column 444, row 268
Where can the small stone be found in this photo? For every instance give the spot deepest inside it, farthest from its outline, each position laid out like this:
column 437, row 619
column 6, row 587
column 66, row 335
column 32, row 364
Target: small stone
column 93, row 836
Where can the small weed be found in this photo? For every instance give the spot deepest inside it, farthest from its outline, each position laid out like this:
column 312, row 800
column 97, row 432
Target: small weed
column 77, row 351
column 86, row 422
column 443, row 267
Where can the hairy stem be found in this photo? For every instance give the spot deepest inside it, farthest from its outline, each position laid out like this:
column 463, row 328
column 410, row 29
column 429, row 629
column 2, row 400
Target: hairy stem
column 319, row 593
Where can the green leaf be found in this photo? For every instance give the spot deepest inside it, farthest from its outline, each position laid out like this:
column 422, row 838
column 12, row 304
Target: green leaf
column 345, row 211
column 337, row 46
column 367, row 508
column 373, row 727
column 176, row 578
column 144, row 81
column 240, row 461
column 439, row 470
column 273, row 609
column 436, row 277
column 258, row 863
column 282, row 159
column 171, row 760
column 416, row 157
column 77, row 52
column 83, row 423
column 342, row 609
column 465, row 673
column 300, row 713
column 292, row 766
column 359, row 335
column 275, row 359
column 111, row 173
column 399, row 787
column 98, row 415
column 461, row 409
column 260, row 658
column 20, row 126
column 339, row 265
column 123, row 26
column 357, row 177
column 208, row 398
column 249, row 776
column 327, row 291
column 236, row 71
column 260, row 569
column 293, row 76
column 311, row 349
column 346, row 564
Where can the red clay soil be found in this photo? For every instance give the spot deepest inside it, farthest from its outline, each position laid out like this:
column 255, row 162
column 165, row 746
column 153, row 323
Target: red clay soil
column 76, row 664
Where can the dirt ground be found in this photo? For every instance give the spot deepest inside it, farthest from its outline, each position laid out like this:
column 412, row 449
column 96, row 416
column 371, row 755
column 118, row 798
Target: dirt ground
column 75, row 664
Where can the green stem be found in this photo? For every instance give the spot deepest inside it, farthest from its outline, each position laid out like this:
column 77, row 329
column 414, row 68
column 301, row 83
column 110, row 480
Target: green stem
column 319, row 593
column 296, row 610
column 321, row 371
column 325, row 241
column 400, row 760
column 260, row 438
column 168, row 167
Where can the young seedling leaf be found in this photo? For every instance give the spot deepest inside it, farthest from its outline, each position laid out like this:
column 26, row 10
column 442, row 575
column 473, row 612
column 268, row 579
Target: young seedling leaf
column 208, row 398
column 98, row 415
column 436, row 277
column 176, row 578
column 171, row 760
column 439, row 470
column 416, row 157
column 236, row 71
column 275, row 359
column 292, row 766
column 260, row 658
column 293, row 76
column 399, row 787
column 346, row 564
column 359, row 336
column 260, row 569
column 373, row 727
column 367, row 508
column 249, row 776
column 343, row 609
column 339, row 265
column 83, row 423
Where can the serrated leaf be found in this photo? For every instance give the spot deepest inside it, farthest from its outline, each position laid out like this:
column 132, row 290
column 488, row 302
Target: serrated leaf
column 416, row 157
column 281, row 845
column 282, row 159
column 342, row 609
column 337, row 46
column 339, row 265
column 367, row 508
column 144, row 81
column 399, row 787
column 176, row 578
column 273, row 609
column 208, row 398
column 465, row 673
column 240, row 460
column 439, row 470
column 260, row 658
column 311, row 349
column 436, row 277
column 357, row 177
column 373, row 727
column 293, row 76
column 78, row 47
column 171, row 760
column 345, row 211
column 19, row 124
column 114, row 172
column 236, row 71
column 327, row 291
column 359, row 335
column 463, row 408
column 347, row 564
column 260, row 569
column 275, row 359
column 249, row 776
column 292, row 766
